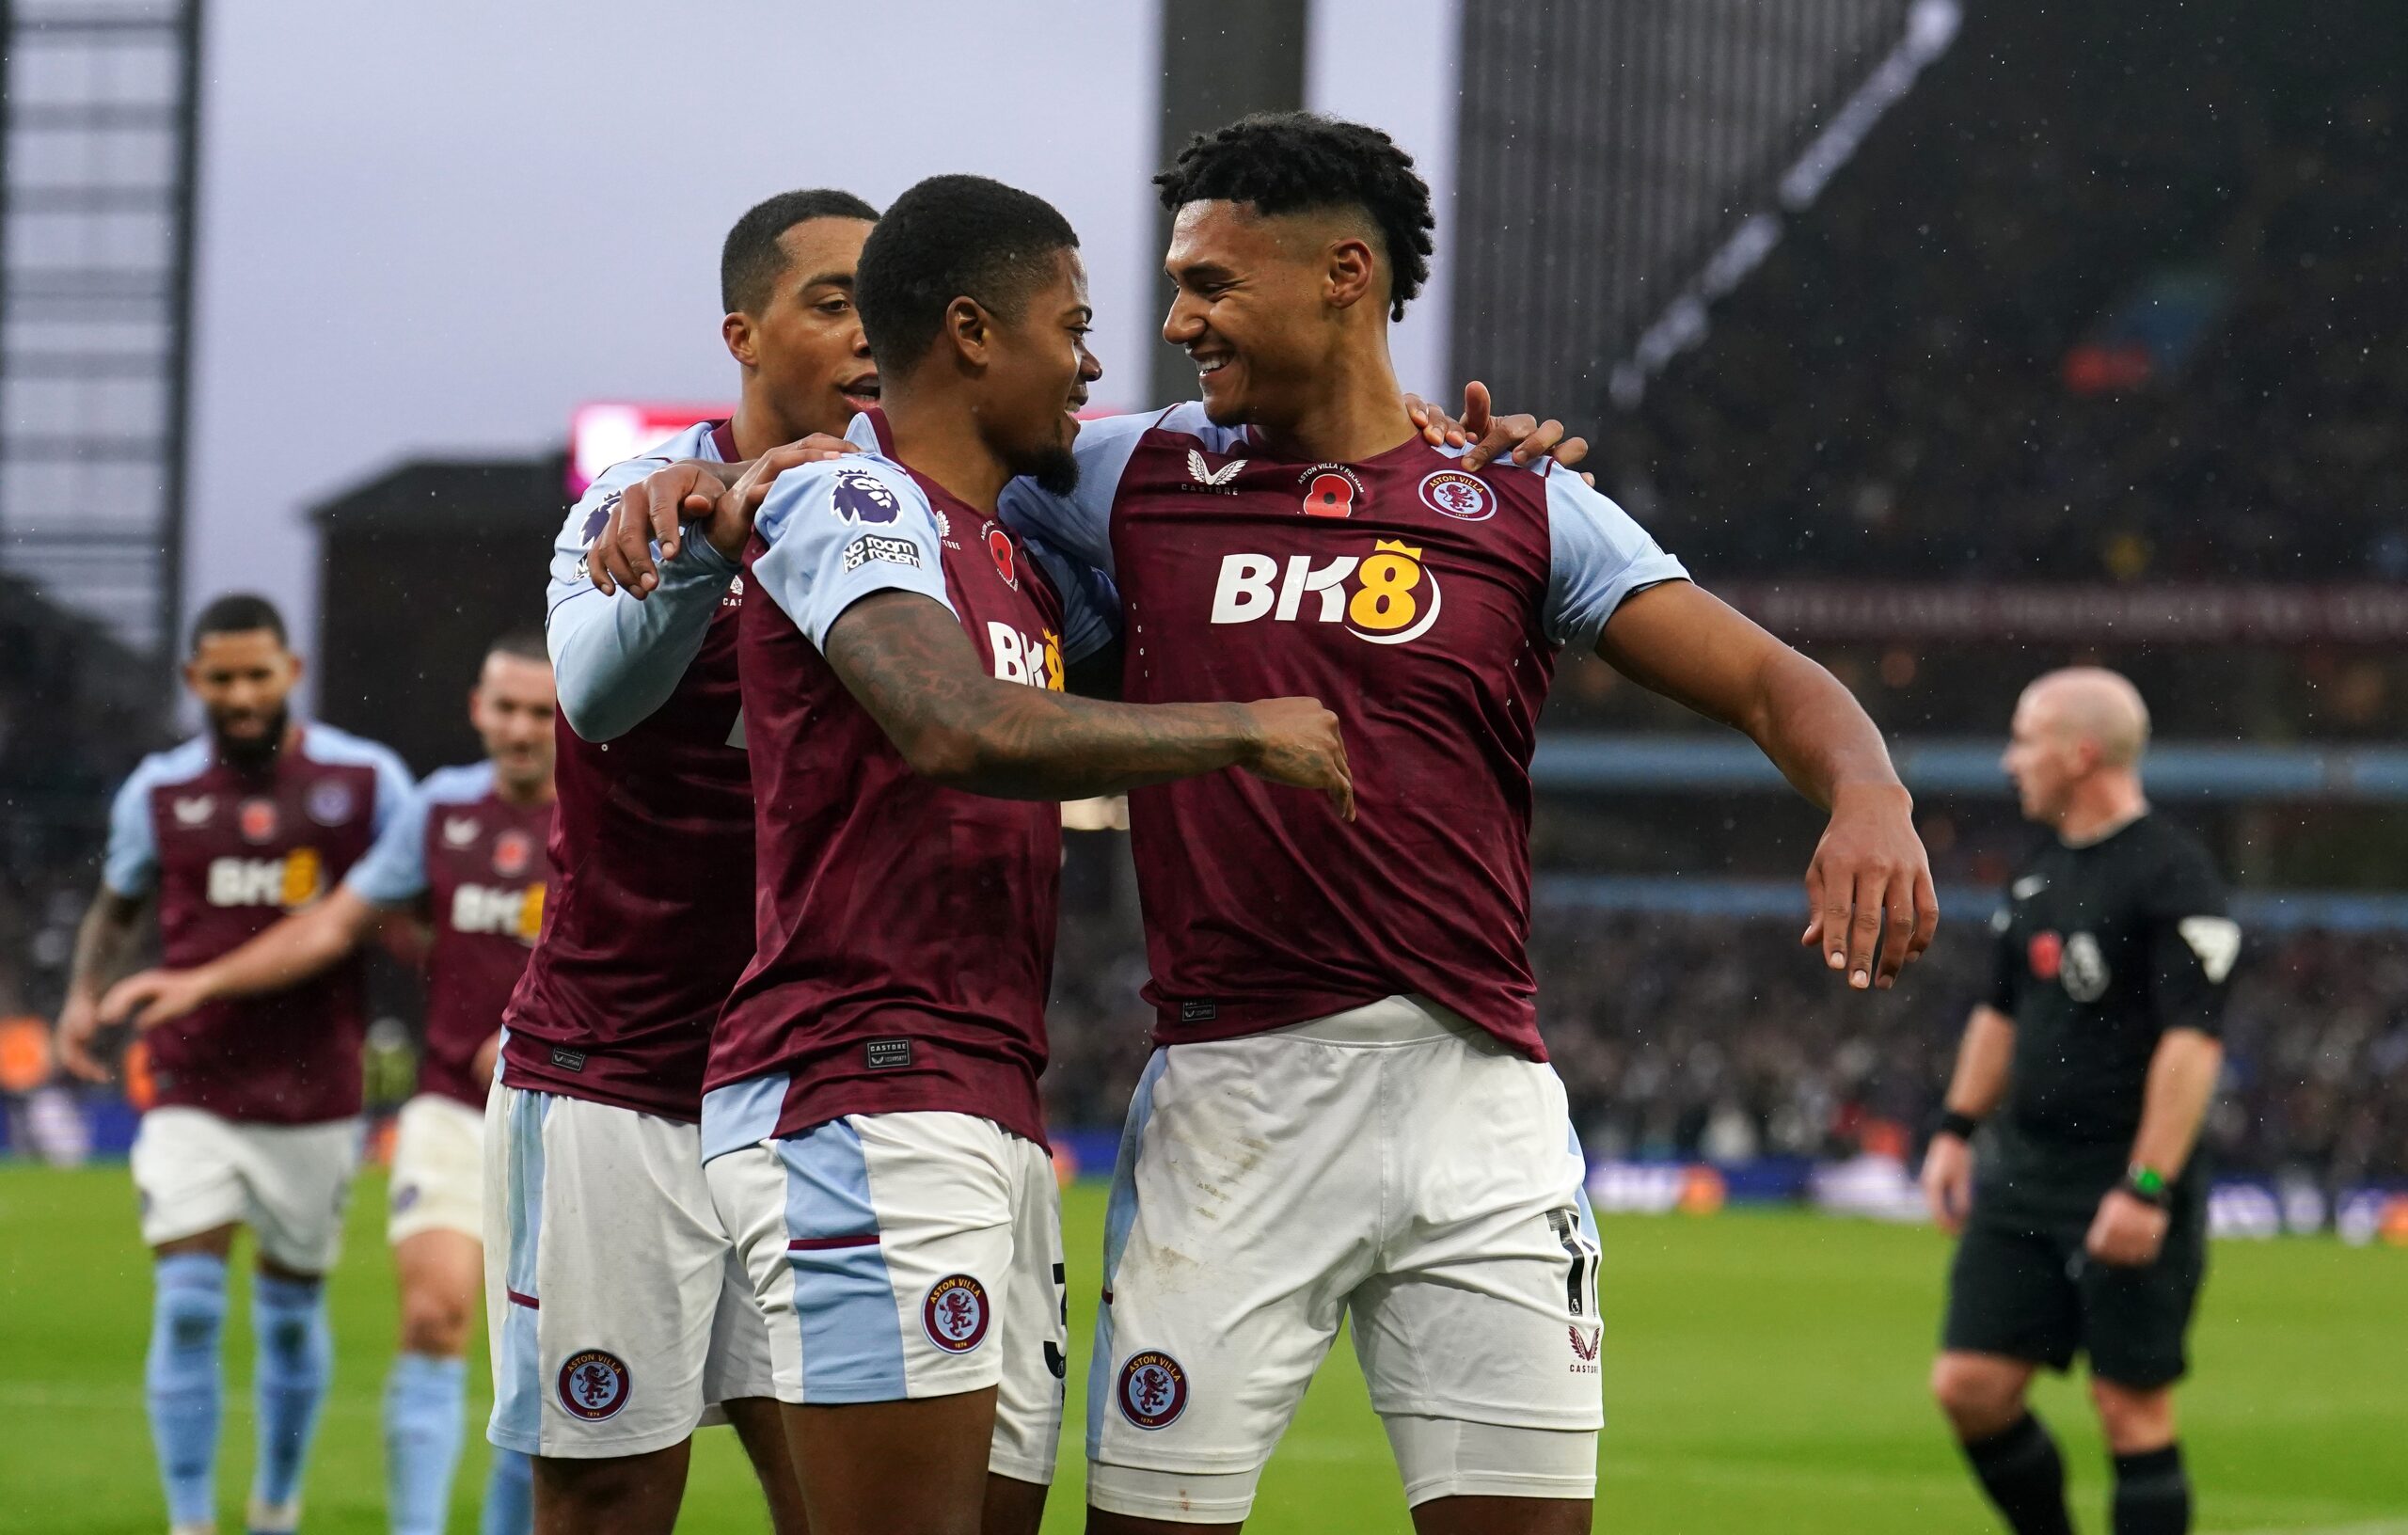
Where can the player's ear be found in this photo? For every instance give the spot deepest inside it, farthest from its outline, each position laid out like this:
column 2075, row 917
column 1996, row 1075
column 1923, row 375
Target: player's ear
column 1351, row 272
column 736, row 329
column 970, row 330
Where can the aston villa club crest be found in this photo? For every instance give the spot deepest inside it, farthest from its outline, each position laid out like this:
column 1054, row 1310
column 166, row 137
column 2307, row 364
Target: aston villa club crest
column 594, row 1384
column 999, row 544
column 331, row 801
column 258, row 820
column 955, row 1314
column 1152, row 1389
column 513, row 851
column 1454, row 494
column 1331, row 490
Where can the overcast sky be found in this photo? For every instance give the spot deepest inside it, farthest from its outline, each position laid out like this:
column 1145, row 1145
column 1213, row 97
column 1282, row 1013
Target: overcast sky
column 436, row 228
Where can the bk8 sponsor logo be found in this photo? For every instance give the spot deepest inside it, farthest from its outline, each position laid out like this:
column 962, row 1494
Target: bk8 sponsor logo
column 1388, row 597
column 516, row 912
column 1019, row 658
column 288, row 881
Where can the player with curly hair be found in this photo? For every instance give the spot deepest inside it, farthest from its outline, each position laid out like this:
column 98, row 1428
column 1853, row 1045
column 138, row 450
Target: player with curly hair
column 1350, row 1113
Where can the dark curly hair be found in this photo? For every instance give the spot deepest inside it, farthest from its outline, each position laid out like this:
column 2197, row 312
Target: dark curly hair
column 1289, row 161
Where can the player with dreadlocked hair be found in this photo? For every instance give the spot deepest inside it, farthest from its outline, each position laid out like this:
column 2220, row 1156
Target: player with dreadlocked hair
column 1350, row 1114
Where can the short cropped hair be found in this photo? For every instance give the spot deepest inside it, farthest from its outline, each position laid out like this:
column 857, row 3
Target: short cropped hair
column 1296, row 162
column 237, row 612
column 527, row 645
column 751, row 260
column 951, row 237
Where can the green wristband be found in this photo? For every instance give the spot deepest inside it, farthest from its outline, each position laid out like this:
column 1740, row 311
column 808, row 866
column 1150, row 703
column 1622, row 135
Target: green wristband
column 2145, row 1183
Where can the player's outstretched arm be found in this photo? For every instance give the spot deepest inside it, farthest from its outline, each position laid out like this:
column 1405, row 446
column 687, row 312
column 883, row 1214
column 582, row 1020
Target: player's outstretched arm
column 104, row 947
column 1870, row 882
column 905, row 657
column 296, row 948
column 1984, row 1059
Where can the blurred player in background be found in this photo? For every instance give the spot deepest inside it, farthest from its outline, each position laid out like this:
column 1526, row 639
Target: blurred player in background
column 256, row 1121
column 618, row 1312
column 465, row 859
column 2095, row 1057
column 874, row 1140
column 1293, row 534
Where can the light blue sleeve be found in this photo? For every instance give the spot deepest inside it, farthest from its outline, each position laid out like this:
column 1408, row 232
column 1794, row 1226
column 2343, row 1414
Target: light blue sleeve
column 1598, row 557
column 394, row 871
column 841, row 529
column 131, row 867
column 615, row 659
column 1090, row 604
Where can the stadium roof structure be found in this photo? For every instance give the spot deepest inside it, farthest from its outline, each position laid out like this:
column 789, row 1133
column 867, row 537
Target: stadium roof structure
column 420, row 494
column 98, row 156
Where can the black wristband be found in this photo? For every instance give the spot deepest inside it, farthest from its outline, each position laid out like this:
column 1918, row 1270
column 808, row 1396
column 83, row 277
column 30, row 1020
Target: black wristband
column 1959, row 1125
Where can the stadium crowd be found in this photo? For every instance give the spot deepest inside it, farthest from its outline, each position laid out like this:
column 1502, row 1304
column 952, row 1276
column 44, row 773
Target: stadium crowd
column 76, row 710
column 2149, row 334
column 1720, row 1039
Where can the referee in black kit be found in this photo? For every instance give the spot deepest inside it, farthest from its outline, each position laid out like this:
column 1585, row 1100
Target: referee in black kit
column 2092, row 1061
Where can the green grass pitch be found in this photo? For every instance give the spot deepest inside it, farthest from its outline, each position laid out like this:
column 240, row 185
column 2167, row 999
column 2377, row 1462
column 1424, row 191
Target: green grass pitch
column 1763, row 1372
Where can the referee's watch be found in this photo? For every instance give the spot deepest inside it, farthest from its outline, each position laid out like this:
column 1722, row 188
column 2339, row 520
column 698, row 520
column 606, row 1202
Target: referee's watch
column 2146, row 1184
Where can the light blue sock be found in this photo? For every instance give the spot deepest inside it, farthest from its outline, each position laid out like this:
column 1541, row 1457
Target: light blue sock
column 295, row 1361
column 425, row 1397
column 184, row 1382
column 510, row 1495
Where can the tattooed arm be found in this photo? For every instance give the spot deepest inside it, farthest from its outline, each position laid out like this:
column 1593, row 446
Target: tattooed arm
column 103, row 946
column 910, row 666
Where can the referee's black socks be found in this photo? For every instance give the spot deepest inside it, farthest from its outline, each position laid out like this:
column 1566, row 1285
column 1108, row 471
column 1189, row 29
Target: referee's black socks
column 2153, row 1493
column 2021, row 1469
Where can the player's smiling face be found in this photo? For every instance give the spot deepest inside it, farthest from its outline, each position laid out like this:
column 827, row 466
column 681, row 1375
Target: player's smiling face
column 242, row 680
column 1037, row 372
column 512, row 709
column 1255, row 304
column 806, row 343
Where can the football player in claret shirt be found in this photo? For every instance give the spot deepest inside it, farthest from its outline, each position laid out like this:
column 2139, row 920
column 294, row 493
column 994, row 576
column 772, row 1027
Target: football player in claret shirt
column 617, row 1312
column 2094, row 1058
column 873, row 1135
column 1350, row 1063
column 465, row 859
column 256, row 1121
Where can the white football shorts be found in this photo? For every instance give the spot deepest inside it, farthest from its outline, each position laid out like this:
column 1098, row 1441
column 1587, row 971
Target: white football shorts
column 615, row 1305
column 438, row 1169
column 195, row 1171
column 1393, row 1165
column 900, row 1256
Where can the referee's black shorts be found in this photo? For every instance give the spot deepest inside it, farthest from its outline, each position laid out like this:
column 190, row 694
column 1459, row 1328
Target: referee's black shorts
column 2032, row 1292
